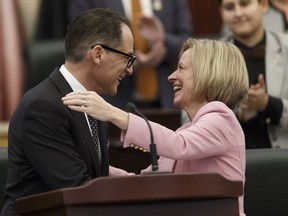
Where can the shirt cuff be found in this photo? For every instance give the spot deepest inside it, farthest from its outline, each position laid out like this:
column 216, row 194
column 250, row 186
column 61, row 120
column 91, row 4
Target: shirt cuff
column 273, row 112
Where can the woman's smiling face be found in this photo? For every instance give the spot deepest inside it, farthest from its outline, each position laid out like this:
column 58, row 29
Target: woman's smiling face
column 182, row 80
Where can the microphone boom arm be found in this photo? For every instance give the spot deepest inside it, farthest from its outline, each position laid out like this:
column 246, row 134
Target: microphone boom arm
column 153, row 150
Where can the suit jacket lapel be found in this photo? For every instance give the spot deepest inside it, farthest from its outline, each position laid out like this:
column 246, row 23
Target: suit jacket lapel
column 275, row 74
column 80, row 118
column 85, row 131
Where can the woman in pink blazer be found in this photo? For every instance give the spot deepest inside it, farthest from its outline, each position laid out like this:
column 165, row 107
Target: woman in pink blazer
column 209, row 82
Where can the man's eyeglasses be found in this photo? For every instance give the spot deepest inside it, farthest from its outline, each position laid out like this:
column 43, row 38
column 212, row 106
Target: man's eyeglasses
column 131, row 58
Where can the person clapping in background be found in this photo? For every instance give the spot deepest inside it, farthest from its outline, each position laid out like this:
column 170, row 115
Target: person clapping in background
column 264, row 116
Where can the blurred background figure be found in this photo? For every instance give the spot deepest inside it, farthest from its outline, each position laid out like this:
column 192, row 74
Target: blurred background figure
column 281, row 6
column 264, row 115
column 52, row 19
column 275, row 18
column 163, row 26
column 11, row 62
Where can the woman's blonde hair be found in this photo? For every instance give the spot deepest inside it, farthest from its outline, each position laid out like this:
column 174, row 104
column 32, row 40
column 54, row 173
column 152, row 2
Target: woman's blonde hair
column 219, row 71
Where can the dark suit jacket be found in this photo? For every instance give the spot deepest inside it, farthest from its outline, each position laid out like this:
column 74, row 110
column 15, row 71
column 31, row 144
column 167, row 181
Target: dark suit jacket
column 176, row 20
column 50, row 146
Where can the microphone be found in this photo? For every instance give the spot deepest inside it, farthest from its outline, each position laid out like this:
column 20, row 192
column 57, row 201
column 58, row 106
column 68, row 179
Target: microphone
column 130, row 107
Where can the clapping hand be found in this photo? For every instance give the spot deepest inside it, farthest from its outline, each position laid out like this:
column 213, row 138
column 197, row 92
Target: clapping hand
column 257, row 100
column 152, row 30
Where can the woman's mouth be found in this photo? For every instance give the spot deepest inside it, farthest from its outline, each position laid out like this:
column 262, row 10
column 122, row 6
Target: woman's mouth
column 177, row 88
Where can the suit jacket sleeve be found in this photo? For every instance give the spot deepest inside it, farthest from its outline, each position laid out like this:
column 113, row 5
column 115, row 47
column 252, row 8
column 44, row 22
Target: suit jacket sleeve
column 200, row 139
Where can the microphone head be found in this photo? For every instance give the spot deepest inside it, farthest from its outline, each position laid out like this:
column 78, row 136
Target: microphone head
column 131, row 107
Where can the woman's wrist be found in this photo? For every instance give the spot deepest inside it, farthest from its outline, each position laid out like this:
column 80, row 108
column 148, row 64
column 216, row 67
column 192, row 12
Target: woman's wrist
column 120, row 118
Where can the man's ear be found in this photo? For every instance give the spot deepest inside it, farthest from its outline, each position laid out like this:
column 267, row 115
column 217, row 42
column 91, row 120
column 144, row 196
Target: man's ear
column 96, row 54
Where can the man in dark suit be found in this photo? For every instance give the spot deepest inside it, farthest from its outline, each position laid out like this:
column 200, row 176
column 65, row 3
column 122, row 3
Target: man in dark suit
column 50, row 146
column 175, row 18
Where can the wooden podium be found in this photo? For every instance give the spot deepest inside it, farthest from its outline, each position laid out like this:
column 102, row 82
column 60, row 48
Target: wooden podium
column 156, row 194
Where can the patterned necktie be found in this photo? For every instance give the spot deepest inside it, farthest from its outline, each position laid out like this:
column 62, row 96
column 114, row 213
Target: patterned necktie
column 95, row 137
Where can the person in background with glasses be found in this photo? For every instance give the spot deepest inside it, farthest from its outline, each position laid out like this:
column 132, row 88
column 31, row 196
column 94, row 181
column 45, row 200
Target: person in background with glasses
column 50, row 146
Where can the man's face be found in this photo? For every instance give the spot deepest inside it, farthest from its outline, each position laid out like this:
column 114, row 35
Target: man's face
column 114, row 66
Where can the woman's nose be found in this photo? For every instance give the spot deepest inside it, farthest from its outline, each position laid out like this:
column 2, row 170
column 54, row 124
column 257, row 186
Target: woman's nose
column 172, row 77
